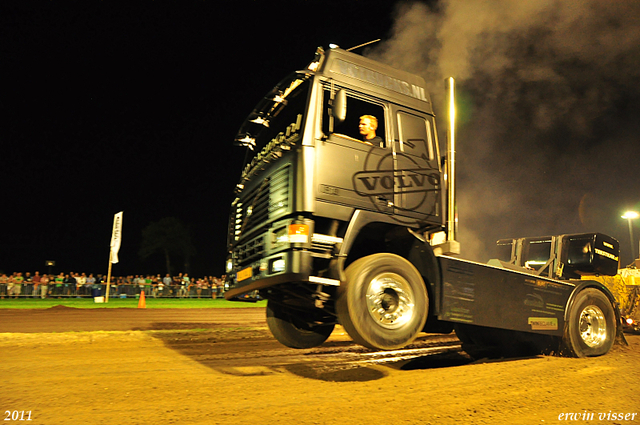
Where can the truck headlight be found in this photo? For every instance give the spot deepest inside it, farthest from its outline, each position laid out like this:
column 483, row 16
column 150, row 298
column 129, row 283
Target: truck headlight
column 229, row 266
column 278, row 265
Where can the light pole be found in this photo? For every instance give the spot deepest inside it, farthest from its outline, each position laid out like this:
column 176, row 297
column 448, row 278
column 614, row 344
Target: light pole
column 631, row 215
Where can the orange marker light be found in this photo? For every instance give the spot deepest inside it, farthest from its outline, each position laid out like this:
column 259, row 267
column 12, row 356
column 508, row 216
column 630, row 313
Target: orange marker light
column 298, row 233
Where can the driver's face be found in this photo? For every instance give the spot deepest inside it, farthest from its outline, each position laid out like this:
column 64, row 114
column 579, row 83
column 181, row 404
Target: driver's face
column 365, row 127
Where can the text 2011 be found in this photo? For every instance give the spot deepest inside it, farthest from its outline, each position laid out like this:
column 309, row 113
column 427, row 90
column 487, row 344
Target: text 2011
column 17, row 415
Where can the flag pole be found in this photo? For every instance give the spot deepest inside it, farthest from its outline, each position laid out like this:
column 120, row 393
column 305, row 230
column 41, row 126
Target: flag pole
column 116, row 237
column 106, row 297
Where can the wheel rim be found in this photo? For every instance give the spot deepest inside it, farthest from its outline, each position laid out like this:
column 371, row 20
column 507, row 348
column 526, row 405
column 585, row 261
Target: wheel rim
column 390, row 300
column 593, row 326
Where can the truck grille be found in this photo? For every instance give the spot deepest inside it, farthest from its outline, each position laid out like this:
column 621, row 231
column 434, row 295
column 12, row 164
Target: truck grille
column 247, row 252
column 255, row 210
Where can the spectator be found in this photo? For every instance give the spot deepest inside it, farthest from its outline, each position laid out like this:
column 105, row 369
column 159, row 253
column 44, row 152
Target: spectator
column 221, row 286
column 177, row 284
column 58, row 286
column 4, row 280
column 36, row 284
column 27, row 284
column 81, row 285
column 148, row 282
column 199, row 285
column 90, row 281
column 214, row 290
column 166, row 281
column 81, row 281
column 18, row 279
column 129, row 282
column 69, row 284
column 120, row 287
column 11, row 281
column 186, row 284
column 136, row 284
column 158, row 287
column 44, row 286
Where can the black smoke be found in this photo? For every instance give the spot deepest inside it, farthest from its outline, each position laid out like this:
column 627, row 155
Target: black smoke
column 548, row 108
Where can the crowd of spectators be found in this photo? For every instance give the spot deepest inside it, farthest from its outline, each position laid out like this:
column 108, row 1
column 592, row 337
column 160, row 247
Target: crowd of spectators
column 80, row 285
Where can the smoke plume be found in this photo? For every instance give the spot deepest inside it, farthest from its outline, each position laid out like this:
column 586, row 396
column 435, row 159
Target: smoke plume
column 548, row 106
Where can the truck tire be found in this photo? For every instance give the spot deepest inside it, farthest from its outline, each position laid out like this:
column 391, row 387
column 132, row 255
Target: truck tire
column 293, row 332
column 591, row 326
column 384, row 303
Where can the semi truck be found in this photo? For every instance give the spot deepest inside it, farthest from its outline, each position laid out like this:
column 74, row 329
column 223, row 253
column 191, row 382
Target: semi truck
column 332, row 226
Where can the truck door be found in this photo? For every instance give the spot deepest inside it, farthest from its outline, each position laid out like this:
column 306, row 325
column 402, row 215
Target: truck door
column 417, row 174
column 349, row 171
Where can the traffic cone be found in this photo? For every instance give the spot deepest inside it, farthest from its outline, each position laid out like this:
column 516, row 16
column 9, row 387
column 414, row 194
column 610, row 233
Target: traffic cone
column 142, row 303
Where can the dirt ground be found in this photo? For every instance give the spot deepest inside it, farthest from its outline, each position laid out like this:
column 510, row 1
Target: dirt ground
column 221, row 366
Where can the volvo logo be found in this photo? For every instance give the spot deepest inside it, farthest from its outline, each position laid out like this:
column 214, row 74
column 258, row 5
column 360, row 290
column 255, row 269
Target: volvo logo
column 373, row 183
column 409, row 183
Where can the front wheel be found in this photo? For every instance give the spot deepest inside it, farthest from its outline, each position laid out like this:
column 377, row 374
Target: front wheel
column 384, row 303
column 292, row 331
column 591, row 326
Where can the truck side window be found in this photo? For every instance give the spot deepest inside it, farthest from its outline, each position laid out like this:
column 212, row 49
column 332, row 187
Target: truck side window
column 415, row 135
column 356, row 108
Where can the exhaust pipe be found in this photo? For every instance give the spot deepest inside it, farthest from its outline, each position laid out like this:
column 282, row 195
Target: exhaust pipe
column 441, row 244
column 451, row 159
column 453, row 246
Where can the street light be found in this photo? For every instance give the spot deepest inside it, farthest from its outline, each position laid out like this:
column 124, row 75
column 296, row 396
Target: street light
column 631, row 215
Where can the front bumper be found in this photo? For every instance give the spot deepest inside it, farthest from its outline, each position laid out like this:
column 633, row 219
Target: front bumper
column 282, row 267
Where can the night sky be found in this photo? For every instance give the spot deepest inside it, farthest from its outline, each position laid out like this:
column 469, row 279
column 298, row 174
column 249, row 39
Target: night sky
column 133, row 107
column 111, row 107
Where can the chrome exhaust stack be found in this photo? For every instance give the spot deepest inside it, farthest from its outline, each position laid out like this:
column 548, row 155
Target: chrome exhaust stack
column 450, row 245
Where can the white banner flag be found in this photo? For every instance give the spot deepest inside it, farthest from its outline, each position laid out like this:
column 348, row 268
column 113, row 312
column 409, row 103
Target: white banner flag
column 116, row 237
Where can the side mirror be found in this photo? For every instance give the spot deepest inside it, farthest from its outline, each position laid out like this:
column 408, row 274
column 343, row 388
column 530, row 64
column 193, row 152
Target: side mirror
column 339, row 107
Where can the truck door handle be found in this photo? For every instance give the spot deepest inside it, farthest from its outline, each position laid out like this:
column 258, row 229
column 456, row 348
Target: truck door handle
column 384, row 200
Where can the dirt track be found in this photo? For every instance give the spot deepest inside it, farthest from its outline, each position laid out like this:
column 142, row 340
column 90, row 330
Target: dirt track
column 65, row 319
column 129, row 366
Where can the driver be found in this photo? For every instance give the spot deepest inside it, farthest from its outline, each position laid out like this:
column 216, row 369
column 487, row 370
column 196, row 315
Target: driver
column 368, row 126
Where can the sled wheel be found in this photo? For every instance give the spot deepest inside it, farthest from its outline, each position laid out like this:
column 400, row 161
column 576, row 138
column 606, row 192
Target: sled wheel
column 384, row 303
column 591, row 327
column 292, row 331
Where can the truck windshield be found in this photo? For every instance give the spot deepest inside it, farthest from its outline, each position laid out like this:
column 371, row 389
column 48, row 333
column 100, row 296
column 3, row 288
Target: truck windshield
column 278, row 110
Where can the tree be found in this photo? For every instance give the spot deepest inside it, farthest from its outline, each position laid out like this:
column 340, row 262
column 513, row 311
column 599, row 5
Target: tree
column 168, row 236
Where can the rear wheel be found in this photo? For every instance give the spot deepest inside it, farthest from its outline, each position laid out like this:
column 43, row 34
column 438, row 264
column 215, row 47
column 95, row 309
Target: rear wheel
column 384, row 303
column 291, row 330
column 591, row 326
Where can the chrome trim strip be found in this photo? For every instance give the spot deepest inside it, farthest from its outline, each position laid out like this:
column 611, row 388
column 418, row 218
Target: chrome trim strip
column 324, row 281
